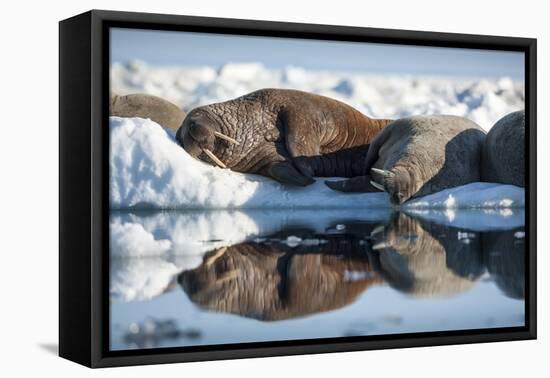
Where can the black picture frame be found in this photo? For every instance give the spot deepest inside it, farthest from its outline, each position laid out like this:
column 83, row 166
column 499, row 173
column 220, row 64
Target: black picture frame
column 84, row 201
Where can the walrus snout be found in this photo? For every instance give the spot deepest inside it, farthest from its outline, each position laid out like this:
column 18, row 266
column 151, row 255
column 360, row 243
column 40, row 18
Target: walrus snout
column 196, row 133
column 397, row 183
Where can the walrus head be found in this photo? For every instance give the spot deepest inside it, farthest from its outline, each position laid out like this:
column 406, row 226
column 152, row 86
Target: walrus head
column 399, row 183
column 237, row 134
column 197, row 132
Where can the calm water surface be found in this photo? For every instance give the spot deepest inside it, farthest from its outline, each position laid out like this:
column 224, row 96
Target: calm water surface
column 214, row 277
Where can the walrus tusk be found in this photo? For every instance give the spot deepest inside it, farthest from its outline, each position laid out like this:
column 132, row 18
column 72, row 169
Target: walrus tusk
column 377, row 186
column 382, row 172
column 212, row 259
column 214, row 157
column 381, row 245
column 225, row 137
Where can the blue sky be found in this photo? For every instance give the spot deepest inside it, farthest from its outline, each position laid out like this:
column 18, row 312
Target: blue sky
column 184, row 48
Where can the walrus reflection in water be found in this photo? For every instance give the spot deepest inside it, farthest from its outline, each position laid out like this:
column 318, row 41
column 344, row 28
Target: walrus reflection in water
column 504, row 254
column 423, row 260
column 275, row 282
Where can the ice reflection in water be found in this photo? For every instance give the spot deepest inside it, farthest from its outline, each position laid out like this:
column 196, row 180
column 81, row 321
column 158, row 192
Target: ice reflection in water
column 312, row 274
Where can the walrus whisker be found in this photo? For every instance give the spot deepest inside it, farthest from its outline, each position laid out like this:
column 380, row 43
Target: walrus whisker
column 212, row 259
column 214, row 158
column 225, row 137
column 377, row 186
column 383, row 172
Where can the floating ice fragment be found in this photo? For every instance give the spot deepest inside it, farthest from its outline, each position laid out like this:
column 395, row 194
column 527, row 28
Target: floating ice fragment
column 519, row 235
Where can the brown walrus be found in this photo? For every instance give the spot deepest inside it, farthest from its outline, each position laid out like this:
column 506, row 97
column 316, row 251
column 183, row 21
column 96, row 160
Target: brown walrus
column 271, row 281
column 287, row 135
column 155, row 108
column 504, row 151
column 419, row 155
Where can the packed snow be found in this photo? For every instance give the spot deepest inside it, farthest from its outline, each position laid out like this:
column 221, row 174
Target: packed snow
column 149, row 170
column 476, row 195
column 389, row 96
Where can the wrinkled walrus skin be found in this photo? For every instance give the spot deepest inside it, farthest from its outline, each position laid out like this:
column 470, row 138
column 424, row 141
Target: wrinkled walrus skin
column 154, row 108
column 504, row 151
column 288, row 135
column 420, row 155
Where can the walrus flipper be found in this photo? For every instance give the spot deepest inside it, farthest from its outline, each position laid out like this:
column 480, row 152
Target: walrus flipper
column 285, row 173
column 366, row 183
column 358, row 184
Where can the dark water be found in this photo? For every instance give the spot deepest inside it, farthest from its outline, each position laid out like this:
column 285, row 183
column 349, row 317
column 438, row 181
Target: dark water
column 202, row 278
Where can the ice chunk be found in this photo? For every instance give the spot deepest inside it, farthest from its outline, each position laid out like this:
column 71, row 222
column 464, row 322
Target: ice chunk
column 478, row 195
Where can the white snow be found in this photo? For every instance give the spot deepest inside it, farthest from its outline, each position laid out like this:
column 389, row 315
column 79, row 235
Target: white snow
column 474, row 219
column 479, row 195
column 392, row 96
column 131, row 239
column 519, row 235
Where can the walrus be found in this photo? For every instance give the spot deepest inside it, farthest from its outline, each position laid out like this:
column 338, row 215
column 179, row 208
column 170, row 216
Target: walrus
column 272, row 281
column 424, row 259
column 504, row 151
column 288, row 135
column 419, row 155
column 161, row 111
column 504, row 253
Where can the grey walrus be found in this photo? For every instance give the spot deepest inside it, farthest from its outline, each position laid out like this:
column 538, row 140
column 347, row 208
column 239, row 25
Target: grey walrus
column 504, row 253
column 504, row 151
column 155, row 108
column 419, row 155
column 425, row 259
column 288, row 135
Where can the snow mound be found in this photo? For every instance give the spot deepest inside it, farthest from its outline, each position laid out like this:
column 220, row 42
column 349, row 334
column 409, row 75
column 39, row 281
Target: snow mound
column 149, row 170
column 478, row 195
